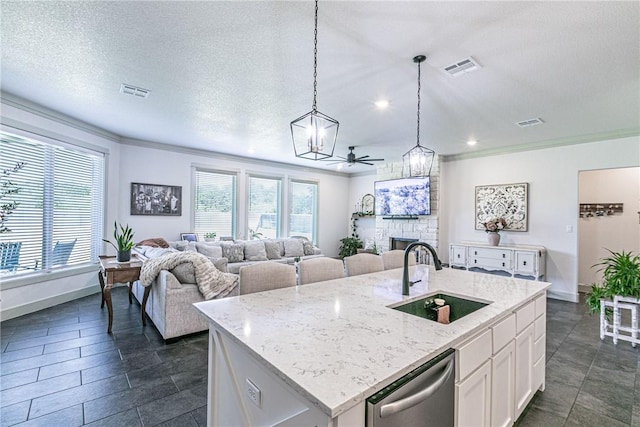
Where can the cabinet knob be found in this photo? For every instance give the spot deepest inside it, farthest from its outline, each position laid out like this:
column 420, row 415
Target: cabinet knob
column 524, row 262
column 475, row 252
column 503, row 255
column 458, row 255
column 503, row 264
column 475, row 261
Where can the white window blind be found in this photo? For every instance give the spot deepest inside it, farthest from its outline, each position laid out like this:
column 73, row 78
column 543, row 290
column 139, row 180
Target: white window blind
column 59, row 217
column 264, row 212
column 215, row 203
column 303, row 209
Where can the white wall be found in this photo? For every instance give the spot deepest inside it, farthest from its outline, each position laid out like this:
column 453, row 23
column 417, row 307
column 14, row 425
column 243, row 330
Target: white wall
column 159, row 166
column 617, row 232
column 359, row 186
column 552, row 174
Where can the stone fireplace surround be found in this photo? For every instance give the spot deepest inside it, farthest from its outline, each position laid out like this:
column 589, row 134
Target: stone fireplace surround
column 424, row 229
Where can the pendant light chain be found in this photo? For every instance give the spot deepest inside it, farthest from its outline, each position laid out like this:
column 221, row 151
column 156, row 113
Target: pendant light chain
column 315, row 60
column 418, row 131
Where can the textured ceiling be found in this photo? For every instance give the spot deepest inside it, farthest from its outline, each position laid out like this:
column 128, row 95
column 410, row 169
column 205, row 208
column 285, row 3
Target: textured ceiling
column 230, row 76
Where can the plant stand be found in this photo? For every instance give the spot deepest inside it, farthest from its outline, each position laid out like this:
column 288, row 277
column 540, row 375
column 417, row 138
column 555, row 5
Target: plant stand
column 628, row 303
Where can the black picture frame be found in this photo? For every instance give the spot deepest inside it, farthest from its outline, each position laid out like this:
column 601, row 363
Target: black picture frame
column 156, row 199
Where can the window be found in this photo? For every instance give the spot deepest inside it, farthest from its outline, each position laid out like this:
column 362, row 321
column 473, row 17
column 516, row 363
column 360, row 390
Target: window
column 215, row 203
column 58, row 219
column 263, row 210
column 303, row 209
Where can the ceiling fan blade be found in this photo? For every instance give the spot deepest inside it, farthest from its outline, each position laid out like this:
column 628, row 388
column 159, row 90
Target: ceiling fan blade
column 375, row 160
column 365, row 163
column 333, row 159
column 363, row 157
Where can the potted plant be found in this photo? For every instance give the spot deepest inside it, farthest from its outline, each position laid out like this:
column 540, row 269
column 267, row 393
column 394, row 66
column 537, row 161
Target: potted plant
column 620, row 276
column 349, row 246
column 124, row 241
column 210, row 236
column 492, row 227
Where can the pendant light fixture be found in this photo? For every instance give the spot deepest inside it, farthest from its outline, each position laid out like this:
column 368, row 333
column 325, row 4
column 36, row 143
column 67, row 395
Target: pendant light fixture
column 314, row 134
column 418, row 160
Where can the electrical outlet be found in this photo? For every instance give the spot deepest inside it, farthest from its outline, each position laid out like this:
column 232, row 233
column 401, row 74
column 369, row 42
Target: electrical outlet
column 253, row 392
column 569, row 228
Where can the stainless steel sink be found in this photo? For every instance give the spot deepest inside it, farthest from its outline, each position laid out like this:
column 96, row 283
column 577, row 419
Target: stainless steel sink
column 427, row 308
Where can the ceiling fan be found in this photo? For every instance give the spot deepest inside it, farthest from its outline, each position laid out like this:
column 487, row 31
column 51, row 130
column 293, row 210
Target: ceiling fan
column 351, row 159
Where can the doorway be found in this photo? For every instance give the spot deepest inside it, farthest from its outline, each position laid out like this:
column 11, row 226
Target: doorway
column 601, row 224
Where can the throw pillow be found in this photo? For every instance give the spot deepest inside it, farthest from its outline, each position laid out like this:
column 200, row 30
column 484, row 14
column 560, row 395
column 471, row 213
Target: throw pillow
column 255, row 251
column 185, row 273
column 293, row 248
column 157, row 252
column 272, row 248
column 234, row 252
column 307, row 247
column 157, row 242
column 209, row 250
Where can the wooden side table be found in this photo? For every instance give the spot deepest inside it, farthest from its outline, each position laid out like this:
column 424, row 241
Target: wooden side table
column 112, row 272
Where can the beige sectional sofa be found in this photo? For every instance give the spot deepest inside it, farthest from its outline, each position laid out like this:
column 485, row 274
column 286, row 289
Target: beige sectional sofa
column 173, row 292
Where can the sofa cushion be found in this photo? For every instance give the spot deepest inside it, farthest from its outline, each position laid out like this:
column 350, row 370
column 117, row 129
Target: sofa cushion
column 272, row 248
column 183, row 245
column 293, row 247
column 234, row 252
column 254, row 250
column 307, row 247
column 156, row 242
column 209, row 250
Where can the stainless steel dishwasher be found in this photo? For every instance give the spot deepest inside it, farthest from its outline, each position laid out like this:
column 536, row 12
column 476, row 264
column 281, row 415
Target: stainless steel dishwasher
column 422, row 398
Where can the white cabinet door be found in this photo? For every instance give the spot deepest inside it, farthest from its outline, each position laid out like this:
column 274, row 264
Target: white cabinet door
column 458, row 255
column 524, row 369
column 502, row 386
column 474, row 398
column 526, row 263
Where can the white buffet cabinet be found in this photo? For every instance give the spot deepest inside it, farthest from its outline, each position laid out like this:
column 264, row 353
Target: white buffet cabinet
column 518, row 261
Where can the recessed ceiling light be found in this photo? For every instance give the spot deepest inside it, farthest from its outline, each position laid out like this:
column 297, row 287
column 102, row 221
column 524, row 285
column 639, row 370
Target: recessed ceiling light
column 472, row 142
column 382, row 103
column 251, row 151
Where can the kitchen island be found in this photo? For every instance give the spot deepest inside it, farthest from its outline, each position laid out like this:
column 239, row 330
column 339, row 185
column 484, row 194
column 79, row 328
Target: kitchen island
column 312, row 354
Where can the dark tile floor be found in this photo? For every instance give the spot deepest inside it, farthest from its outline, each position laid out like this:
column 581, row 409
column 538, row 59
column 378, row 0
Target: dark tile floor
column 59, row 367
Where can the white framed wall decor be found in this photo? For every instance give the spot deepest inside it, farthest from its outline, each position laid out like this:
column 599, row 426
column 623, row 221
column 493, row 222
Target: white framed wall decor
column 508, row 201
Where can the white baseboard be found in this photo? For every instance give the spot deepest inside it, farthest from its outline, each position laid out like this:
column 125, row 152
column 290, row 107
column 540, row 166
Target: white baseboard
column 564, row 296
column 34, row 306
column 583, row 288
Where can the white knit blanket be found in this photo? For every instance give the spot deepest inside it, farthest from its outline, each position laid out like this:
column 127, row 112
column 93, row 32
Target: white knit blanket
column 211, row 282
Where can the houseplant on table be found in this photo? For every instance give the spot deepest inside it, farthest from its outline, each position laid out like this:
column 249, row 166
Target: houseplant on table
column 124, row 241
column 210, row 236
column 620, row 276
column 492, row 227
column 349, row 246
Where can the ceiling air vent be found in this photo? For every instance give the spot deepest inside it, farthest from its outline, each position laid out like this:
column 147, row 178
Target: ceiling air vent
column 530, row 122
column 464, row 66
column 134, row 90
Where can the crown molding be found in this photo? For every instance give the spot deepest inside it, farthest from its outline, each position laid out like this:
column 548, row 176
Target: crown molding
column 541, row 145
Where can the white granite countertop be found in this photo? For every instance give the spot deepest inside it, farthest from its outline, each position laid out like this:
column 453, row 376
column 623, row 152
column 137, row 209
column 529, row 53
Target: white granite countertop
column 338, row 342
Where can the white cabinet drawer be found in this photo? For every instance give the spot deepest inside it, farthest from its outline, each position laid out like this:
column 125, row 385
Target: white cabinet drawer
column 504, row 254
column 503, row 333
column 458, row 255
column 540, row 327
column 525, row 316
column 472, row 354
column 525, row 262
column 541, row 305
column 490, row 262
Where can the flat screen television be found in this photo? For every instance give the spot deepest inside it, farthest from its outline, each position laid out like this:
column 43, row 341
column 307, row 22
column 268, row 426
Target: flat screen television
column 403, row 197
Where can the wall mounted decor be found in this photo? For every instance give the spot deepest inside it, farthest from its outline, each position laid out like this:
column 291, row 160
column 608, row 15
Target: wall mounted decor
column 599, row 209
column 155, row 199
column 508, row 201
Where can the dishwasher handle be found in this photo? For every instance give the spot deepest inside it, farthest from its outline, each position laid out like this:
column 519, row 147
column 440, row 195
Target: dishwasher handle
column 414, row 399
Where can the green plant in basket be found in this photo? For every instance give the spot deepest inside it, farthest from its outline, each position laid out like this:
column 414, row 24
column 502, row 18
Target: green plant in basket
column 123, row 237
column 620, row 276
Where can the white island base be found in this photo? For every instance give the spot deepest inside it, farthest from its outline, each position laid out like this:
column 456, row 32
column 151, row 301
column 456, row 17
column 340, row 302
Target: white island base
column 312, row 355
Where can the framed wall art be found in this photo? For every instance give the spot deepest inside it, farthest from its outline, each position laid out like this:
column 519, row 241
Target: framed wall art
column 156, row 199
column 508, row 201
